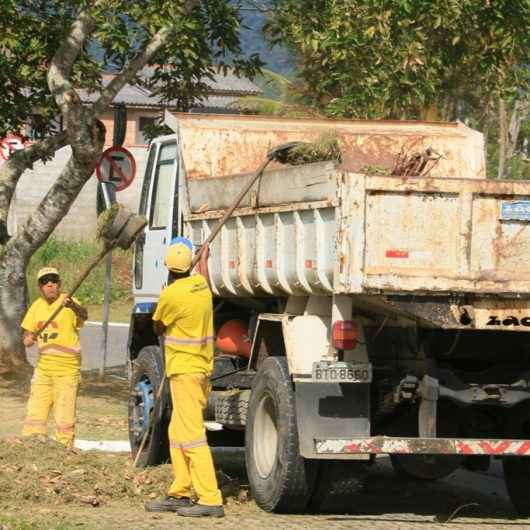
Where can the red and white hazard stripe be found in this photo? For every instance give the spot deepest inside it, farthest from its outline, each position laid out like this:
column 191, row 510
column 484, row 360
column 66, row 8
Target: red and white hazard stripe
column 427, row 446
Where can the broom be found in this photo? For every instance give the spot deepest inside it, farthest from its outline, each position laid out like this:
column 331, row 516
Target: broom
column 117, row 227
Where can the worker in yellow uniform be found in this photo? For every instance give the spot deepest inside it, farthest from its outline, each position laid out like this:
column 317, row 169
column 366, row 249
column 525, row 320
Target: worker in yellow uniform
column 184, row 316
column 56, row 376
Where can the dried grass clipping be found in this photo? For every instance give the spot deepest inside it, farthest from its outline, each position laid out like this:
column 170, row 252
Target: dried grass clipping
column 415, row 164
column 105, row 221
column 324, row 149
column 36, row 471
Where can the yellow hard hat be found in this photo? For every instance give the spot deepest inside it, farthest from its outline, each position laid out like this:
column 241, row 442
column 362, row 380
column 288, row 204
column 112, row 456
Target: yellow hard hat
column 47, row 270
column 178, row 258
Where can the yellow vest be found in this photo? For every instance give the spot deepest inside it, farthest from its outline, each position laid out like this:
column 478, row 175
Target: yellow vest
column 185, row 308
column 59, row 348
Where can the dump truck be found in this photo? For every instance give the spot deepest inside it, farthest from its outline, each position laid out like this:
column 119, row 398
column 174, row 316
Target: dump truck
column 380, row 302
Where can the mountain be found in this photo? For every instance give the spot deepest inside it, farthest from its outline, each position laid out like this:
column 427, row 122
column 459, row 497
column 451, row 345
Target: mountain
column 253, row 41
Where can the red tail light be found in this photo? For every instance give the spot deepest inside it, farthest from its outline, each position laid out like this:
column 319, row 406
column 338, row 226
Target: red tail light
column 344, row 335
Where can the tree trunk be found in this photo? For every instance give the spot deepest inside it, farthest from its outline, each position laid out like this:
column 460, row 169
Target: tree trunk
column 520, row 110
column 503, row 139
column 15, row 254
column 509, row 132
column 86, row 135
column 12, row 307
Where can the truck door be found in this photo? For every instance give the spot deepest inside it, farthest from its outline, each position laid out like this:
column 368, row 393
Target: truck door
column 157, row 202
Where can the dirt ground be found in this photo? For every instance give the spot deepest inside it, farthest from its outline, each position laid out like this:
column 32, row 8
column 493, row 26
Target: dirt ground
column 45, row 487
column 102, row 408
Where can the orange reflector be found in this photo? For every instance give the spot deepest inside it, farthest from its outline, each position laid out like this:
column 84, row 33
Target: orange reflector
column 344, row 335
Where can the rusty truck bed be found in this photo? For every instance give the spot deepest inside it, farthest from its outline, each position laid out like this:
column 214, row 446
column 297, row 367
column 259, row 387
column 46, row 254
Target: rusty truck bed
column 318, row 229
column 325, row 228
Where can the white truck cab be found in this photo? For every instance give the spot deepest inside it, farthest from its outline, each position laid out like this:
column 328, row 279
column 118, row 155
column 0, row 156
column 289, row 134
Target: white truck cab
column 159, row 203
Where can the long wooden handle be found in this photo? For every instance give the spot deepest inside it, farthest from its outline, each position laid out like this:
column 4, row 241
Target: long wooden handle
column 79, row 281
column 106, row 249
column 196, row 258
column 231, row 210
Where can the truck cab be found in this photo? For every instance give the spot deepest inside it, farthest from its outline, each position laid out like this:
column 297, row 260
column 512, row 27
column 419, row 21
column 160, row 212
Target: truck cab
column 161, row 199
column 159, row 203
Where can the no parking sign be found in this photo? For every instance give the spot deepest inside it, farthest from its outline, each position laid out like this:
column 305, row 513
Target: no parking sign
column 117, row 165
column 10, row 144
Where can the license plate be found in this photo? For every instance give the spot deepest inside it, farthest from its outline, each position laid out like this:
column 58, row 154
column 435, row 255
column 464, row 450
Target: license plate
column 342, row 372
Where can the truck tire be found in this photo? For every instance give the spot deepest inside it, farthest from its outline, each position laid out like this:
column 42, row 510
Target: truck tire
column 231, row 409
column 280, row 480
column 425, row 467
column 517, row 479
column 339, row 483
column 147, row 374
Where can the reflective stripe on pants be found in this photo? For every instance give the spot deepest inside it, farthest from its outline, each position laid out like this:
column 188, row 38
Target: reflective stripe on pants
column 59, row 392
column 191, row 458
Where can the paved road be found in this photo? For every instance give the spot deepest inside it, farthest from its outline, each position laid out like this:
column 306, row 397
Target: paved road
column 91, row 337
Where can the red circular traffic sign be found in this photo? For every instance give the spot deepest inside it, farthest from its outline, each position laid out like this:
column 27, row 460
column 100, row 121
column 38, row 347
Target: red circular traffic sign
column 117, row 165
column 9, row 144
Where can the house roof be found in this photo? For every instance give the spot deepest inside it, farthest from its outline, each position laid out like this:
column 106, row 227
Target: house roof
column 224, row 89
column 231, row 83
column 214, row 103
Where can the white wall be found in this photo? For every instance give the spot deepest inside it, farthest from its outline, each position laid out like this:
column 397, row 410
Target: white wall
column 80, row 222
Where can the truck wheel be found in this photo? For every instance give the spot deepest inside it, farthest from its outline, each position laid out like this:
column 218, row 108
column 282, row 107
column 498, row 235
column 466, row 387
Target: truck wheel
column 146, row 377
column 517, row 479
column 339, row 483
column 231, row 409
column 280, row 479
column 425, row 467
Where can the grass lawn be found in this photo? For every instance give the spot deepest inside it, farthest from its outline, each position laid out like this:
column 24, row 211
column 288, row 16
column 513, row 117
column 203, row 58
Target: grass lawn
column 71, row 258
column 118, row 311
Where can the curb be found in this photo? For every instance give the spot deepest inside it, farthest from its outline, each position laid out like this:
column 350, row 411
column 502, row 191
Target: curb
column 110, row 446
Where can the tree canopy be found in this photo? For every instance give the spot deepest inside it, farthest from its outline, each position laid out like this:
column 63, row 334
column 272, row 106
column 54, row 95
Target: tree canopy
column 402, row 59
column 52, row 49
column 183, row 41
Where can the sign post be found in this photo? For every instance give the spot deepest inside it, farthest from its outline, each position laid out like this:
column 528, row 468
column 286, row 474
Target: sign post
column 115, row 171
column 108, row 197
column 116, row 166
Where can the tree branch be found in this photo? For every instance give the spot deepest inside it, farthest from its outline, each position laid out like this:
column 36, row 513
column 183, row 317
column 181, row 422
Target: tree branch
column 109, row 93
column 158, row 40
column 64, row 58
column 58, row 200
column 19, row 161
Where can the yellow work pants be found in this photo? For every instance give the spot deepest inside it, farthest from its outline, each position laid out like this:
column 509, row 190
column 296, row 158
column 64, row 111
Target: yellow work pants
column 59, row 392
column 191, row 458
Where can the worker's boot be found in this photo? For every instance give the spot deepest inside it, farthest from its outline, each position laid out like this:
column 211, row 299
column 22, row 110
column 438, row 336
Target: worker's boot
column 201, row 510
column 169, row 504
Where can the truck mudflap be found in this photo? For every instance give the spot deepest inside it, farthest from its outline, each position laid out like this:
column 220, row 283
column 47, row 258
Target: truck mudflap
column 423, row 446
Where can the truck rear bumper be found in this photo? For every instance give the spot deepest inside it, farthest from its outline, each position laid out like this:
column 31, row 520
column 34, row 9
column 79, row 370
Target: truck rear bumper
column 426, row 446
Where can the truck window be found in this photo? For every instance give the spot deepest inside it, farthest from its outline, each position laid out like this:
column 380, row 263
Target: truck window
column 147, row 180
column 162, row 187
